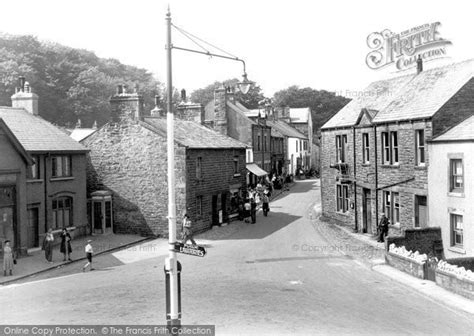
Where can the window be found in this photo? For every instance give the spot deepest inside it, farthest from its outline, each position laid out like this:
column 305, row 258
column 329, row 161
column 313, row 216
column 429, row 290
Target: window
column 365, row 148
column 236, row 165
column 420, row 147
column 199, row 168
column 258, row 142
column 301, row 145
column 394, row 147
column 385, row 148
column 265, row 143
column 456, row 175
column 391, row 206
column 341, row 144
column 33, row 171
column 297, row 146
column 62, row 212
column 61, row 166
column 456, row 230
column 199, row 205
column 389, row 148
column 342, row 195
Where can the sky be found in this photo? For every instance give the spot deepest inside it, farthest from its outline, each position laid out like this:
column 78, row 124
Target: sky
column 317, row 44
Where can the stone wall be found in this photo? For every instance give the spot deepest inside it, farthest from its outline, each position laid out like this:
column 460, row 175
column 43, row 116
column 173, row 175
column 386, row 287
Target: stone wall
column 467, row 263
column 217, row 179
column 329, row 175
column 130, row 160
column 455, row 279
column 407, row 265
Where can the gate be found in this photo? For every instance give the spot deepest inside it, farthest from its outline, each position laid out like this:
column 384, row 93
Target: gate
column 430, row 268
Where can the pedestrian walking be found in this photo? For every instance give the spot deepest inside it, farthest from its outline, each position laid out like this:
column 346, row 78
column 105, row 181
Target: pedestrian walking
column 265, row 204
column 8, row 260
column 247, row 208
column 253, row 210
column 89, row 251
column 383, row 228
column 65, row 248
column 187, row 230
column 48, row 245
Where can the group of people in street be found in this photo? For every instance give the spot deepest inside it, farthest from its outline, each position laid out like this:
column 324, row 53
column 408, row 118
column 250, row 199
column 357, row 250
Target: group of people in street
column 9, row 256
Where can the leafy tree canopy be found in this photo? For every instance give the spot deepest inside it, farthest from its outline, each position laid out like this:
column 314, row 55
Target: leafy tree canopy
column 71, row 83
column 323, row 104
column 249, row 100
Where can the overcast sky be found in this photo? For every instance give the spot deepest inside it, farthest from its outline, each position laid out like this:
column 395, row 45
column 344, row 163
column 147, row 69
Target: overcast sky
column 300, row 42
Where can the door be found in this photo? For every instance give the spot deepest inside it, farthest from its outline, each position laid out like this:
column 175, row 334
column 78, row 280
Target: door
column 421, row 210
column 366, row 211
column 214, row 211
column 108, row 216
column 6, row 225
column 223, row 208
column 97, row 214
column 33, row 228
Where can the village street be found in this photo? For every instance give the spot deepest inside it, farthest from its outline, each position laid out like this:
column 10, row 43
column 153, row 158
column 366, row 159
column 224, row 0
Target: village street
column 279, row 276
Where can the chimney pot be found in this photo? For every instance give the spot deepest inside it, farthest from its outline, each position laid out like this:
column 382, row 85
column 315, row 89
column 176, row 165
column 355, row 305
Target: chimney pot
column 419, row 65
column 119, row 89
column 21, row 83
column 183, row 95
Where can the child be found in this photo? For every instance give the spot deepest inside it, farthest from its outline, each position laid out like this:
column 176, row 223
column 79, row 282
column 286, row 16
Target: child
column 89, row 252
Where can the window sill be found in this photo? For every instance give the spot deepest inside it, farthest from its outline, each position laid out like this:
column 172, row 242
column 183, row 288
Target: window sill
column 455, row 249
column 397, row 166
column 34, row 181
column 420, row 168
column 237, row 175
column 367, row 164
column 456, row 194
column 343, row 213
column 66, row 178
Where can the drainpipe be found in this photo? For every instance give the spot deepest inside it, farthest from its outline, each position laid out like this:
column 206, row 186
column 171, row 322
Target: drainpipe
column 376, row 178
column 356, row 228
column 45, row 193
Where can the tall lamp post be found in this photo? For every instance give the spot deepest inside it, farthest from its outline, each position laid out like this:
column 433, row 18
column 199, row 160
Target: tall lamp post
column 172, row 266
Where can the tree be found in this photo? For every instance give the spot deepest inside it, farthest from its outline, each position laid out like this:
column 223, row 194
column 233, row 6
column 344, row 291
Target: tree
column 323, row 104
column 249, row 100
column 71, row 83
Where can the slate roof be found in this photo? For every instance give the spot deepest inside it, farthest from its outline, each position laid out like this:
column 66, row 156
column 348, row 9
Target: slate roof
column 285, row 129
column 80, row 134
column 406, row 97
column 16, row 144
column 461, row 132
column 237, row 108
column 299, row 115
column 36, row 134
column 194, row 135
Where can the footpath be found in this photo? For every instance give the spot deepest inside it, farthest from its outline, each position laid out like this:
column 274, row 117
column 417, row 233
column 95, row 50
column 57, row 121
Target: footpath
column 366, row 250
column 35, row 262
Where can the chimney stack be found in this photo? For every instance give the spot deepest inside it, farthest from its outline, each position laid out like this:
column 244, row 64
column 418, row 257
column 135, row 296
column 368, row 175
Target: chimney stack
column 126, row 106
column 419, row 65
column 24, row 98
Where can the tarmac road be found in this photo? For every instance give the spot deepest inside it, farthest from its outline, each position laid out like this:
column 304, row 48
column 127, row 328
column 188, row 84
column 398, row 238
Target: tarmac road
column 279, row 276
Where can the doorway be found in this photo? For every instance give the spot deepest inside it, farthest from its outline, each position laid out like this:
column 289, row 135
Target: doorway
column 214, row 211
column 366, row 211
column 421, row 210
column 33, row 228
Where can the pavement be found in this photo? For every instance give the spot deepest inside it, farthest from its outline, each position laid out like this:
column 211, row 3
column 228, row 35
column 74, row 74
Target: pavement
column 366, row 249
column 35, row 262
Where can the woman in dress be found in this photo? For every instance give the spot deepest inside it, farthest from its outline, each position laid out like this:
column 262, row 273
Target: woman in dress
column 65, row 248
column 48, row 246
column 7, row 259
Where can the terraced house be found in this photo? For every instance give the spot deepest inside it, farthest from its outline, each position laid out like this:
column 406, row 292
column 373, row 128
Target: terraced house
column 42, row 175
column 374, row 151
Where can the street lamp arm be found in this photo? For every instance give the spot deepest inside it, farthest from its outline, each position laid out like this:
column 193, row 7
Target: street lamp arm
column 211, row 54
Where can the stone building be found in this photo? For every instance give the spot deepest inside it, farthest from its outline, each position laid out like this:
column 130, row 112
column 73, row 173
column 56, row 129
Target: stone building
column 374, row 157
column 46, row 188
column 227, row 116
column 129, row 158
column 451, row 188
